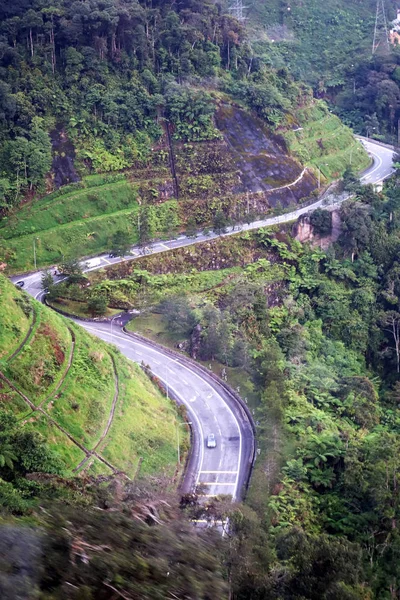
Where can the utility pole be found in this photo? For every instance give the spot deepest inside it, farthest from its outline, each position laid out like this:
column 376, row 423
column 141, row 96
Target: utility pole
column 237, row 9
column 381, row 32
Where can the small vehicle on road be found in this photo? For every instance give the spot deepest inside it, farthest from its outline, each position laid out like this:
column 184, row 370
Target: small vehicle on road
column 20, row 284
column 91, row 263
column 211, row 441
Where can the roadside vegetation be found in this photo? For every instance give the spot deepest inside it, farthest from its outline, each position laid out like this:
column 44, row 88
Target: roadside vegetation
column 313, row 334
column 126, row 152
column 70, row 380
column 123, row 122
column 328, row 45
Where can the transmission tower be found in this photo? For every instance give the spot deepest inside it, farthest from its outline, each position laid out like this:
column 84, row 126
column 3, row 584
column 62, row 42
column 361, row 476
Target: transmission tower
column 381, row 33
column 237, row 9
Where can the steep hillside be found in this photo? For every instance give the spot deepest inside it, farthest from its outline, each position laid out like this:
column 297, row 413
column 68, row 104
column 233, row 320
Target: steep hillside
column 183, row 185
column 310, row 338
column 154, row 134
column 329, row 46
column 318, row 41
column 98, row 411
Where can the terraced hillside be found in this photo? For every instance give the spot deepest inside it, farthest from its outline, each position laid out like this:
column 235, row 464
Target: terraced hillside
column 183, row 186
column 322, row 142
column 99, row 411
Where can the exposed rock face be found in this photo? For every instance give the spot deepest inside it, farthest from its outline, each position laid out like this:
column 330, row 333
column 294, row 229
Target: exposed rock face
column 63, row 158
column 262, row 160
column 303, row 231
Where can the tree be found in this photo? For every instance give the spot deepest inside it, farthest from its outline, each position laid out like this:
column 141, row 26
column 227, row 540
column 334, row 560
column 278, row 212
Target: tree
column 47, row 280
column 320, row 567
column 220, row 222
column 390, row 322
column 356, row 228
column 97, row 306
column 191, row 227
column 120, row 243
column 350, row 181
column 321, row 221
column 71, row 268
column 145, row 229
column 179, row 315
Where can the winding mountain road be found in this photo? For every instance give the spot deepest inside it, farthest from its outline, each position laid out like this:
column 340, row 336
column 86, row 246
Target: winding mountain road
column 211, row 408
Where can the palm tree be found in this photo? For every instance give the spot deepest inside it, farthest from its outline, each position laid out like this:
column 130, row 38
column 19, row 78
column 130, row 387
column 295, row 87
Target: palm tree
column 7, row 455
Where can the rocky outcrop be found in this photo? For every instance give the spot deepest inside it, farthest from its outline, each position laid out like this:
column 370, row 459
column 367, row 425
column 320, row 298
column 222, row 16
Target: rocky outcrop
column 303, row 231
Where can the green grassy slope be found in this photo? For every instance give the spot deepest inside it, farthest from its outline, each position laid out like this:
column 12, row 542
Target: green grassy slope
column 323, row 142
column 69, row 377
column 82, row 221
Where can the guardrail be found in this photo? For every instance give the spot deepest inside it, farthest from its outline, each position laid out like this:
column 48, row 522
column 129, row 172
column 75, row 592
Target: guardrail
column 373, row 141
column 209, row 374
column 235, row 397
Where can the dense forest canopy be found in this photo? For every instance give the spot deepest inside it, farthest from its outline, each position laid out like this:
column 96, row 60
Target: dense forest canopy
column 110, row 73
column 311, row 335
column 329, row 45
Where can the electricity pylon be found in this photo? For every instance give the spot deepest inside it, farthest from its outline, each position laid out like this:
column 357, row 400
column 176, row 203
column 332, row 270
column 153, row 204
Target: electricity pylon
column 237, row 9
column 381, row 33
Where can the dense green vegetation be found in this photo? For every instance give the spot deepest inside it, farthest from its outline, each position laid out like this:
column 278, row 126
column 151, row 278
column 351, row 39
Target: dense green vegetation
column 148, row 111
column 329, row 46
column 316, row 334
column 125, row 102
column 61, row 383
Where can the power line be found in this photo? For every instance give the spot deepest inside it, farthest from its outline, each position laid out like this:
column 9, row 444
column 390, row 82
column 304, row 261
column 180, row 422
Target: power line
column 381, row 32
column 237, row 9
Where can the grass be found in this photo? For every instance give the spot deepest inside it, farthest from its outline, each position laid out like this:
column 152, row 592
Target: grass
column 324, row 143
column 67, row 451
column 78, row 309
column 79, row 238
column 153, row 326
column 14, row 323
column 143, row 433
column 86, row 237
column 94, row 467
column 83, row 403
column 144, row 425
column 38, row 367
column 11, row 401
column 80, row 205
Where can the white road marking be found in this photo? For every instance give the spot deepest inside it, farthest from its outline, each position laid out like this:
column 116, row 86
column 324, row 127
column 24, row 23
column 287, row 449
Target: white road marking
column 154, row 351
column 223, row 472
column 217, row 483
column 376, row 168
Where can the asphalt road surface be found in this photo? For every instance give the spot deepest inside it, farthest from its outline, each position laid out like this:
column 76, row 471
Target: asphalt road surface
column 220, row 470
column 224, row 469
